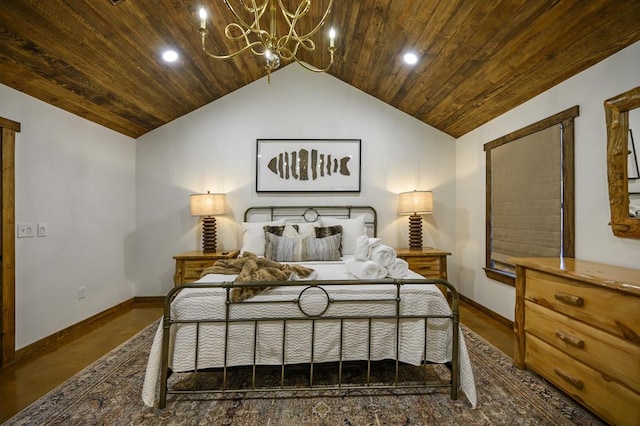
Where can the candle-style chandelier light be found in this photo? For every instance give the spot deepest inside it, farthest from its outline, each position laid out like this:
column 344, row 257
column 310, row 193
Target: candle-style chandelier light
column 261, row 37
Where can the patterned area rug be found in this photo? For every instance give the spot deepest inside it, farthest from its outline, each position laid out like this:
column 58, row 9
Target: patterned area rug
column 108, row 393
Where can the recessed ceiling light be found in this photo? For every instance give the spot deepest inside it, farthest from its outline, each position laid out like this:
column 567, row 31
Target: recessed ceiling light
column 170, row 55
column 410, row 58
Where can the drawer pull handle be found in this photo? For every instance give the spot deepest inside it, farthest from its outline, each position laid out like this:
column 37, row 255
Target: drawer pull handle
column 569, row 378
column 570, row 299
column 424, row 267
column 570, row 340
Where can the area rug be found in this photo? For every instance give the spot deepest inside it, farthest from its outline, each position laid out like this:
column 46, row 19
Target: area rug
column 108, row 392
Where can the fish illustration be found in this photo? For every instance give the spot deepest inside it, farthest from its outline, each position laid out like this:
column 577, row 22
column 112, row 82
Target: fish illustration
column 298, row 165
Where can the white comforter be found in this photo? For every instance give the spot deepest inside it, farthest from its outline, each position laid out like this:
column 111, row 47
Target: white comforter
column 209, row 303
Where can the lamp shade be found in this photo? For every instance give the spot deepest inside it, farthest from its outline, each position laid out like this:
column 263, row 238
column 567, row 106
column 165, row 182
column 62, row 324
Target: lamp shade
column 207, row 204
column 415, row 202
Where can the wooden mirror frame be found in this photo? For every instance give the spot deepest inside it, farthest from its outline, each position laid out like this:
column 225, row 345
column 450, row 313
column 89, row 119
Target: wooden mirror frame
column 617, row 116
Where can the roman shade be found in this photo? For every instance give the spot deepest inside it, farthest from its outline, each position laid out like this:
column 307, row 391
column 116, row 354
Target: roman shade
column 526, row 182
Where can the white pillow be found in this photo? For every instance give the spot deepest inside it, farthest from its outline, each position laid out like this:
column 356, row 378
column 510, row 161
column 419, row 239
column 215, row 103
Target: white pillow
column 351, row 230
column 304, row 227
column 253, row 236
column 290, row 231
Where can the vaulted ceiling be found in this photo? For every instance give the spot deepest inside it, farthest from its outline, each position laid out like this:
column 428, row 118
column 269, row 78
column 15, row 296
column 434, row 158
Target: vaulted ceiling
column 477, row 58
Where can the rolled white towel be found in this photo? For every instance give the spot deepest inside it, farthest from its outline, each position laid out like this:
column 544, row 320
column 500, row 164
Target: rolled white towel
column 398, row 268
column 363, row 247
column 374, row 241
column 383, row 254
column 367, row 269
column 312, row 276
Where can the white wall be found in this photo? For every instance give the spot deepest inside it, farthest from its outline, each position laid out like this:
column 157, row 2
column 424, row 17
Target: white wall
column 214, row 149
column 594, row 239
column 79, row 179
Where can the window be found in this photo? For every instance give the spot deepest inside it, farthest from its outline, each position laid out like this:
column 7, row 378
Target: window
column 530, row 194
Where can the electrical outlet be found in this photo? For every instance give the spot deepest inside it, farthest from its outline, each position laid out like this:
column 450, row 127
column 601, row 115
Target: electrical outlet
column 26, row 230
column 81, row 293
column 42, row 230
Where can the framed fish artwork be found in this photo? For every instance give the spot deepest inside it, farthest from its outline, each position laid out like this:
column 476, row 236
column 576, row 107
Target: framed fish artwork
column 308, row 165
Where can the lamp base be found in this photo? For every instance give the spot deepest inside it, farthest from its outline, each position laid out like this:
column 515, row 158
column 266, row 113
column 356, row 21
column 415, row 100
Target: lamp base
column 415, row 232
column 208, row 234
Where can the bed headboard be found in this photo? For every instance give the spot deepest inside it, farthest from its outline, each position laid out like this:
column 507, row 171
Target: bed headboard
column 313, row 213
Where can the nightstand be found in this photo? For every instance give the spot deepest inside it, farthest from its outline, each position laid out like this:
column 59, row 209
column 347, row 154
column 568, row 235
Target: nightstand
column 428, row 262
column 189, row 265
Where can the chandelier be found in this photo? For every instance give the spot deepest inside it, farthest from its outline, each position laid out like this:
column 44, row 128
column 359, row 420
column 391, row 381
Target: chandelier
column 260, row 37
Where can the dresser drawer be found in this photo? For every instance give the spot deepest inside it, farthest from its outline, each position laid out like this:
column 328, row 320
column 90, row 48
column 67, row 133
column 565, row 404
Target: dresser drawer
column 612, row 401
column 604, row 352
column 606, row 309
column 428, row 267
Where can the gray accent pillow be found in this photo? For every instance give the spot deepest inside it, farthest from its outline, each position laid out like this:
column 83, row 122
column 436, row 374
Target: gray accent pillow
column 322, row 232
column 277, row 230
column 283, row 249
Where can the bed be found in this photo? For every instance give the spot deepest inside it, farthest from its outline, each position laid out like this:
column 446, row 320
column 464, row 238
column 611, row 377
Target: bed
column 305, row 326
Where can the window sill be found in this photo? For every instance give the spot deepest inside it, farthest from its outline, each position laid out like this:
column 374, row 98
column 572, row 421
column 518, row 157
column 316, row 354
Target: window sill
column 502, row 276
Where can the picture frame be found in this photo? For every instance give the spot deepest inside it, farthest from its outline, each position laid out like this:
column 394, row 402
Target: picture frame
column 632, row 165
column 308, row 165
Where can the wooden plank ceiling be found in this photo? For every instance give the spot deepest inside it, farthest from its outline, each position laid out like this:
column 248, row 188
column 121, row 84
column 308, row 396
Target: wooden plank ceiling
column 478, row 58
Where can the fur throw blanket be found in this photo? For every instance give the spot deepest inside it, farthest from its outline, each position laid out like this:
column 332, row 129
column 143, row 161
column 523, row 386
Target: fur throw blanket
column 251, row 268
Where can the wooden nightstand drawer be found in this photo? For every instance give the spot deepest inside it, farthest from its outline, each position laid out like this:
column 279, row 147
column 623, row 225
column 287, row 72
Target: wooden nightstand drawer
column 428, row 262
column 193, row 269
column 614, row 402
column 427, row 266
column 588, row 303
column 189, row 265
column 616, row 358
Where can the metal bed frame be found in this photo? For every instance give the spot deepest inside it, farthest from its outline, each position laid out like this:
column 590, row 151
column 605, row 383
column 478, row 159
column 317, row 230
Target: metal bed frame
column 314, row 317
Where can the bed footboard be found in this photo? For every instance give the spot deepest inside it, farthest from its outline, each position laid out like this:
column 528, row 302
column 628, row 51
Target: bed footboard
column 329, row 329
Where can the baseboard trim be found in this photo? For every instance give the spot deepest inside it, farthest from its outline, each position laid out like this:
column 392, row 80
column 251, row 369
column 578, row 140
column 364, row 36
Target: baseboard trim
column 487, row 311
column 45, row 342
column 155, row 300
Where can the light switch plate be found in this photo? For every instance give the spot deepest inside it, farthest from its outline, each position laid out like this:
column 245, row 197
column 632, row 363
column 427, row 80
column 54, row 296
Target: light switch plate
column 26, row 230
column 42, row 230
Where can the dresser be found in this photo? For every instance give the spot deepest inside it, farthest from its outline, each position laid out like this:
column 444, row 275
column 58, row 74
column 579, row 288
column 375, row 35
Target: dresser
column 577, row 324
column 189, row 265
column 428, row 262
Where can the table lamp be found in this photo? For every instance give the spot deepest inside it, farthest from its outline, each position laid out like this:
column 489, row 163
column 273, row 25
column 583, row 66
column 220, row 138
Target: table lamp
column 415, row 203
column 207, row 205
